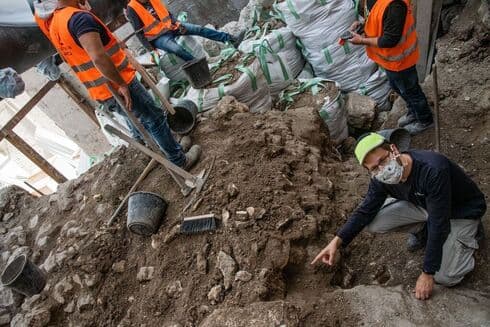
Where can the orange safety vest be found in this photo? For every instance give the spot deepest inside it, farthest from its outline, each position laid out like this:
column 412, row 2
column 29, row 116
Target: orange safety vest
column 152, row 27
column 80, row 61
column 406, row 53
column 43, row 24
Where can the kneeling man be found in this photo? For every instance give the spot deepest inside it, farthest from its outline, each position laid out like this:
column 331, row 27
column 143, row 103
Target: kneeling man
column 425, row 191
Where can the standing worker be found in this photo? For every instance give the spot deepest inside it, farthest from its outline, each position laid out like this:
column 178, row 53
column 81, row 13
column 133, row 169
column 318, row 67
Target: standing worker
column 92, row 51
column 411, row 189
column 160, row 28
column 391, row 42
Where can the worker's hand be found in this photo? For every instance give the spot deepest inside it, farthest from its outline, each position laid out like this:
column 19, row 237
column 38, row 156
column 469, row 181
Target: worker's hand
column 327, row 255
column 182, row 29
column 354, row 26
column 84, row 5
column 356, row 38
column 424, row 286
column 124, row 92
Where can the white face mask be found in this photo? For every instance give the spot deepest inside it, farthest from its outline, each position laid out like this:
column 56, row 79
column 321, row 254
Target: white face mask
column 390, row 173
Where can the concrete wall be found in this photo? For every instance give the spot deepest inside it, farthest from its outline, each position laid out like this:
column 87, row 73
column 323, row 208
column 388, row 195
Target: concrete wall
column 58, row 106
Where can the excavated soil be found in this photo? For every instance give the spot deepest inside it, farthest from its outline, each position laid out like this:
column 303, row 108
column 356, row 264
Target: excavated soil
column 327, row 90
column 227, row 67
column 282, row 165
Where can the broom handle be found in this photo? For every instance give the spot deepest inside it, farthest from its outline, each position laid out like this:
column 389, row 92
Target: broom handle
column 148, row 79
column 167, row 164
column 435, row 87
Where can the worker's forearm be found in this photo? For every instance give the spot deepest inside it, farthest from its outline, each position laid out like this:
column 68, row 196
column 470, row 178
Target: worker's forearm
column 105, row 65
column 337, row 241
column 370, row 41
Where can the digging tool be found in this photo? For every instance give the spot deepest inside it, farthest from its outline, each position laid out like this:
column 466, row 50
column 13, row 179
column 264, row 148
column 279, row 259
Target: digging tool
column 185, row 189
column 143, row 175
column 190, row 180
column 200, row 186
column 435, row 87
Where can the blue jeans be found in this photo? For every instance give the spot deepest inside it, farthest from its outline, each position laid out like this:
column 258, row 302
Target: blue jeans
column 406, row 84
column 167, row 41
column 153, row 118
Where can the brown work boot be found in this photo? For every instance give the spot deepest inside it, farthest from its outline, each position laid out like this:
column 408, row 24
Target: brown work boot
column 192, row 156
column 185, row 142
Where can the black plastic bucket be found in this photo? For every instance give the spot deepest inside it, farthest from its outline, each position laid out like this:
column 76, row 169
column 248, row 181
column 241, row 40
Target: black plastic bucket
column 145, row 213
column 184, row 119
column 23, row 276
column 197, row 72
column 398, row 136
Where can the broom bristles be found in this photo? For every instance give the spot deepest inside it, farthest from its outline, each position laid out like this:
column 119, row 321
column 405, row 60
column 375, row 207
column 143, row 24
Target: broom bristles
column 193, row 225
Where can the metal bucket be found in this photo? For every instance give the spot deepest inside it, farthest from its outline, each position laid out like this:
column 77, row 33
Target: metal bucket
column 197, row 72
column 184, row 119
column 23, row 276
column 145, row 213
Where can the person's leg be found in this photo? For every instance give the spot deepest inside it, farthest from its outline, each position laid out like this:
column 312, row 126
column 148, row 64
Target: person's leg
column 398, row 215
column 208, row 33
column 167, row 43
column 457, row 252
column 154, row 120
column 409, row 88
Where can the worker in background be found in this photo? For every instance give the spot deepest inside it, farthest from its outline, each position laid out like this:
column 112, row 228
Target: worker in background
column 417, row 189
column 92, row 51
column 391, row 42
column 160, row 28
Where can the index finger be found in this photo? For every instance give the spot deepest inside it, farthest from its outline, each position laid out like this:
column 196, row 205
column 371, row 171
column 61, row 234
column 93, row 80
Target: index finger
column 318, row 257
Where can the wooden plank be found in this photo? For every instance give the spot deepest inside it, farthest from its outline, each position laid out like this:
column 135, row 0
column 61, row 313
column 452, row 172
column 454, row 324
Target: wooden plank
column 26, row 109
column 35, row 157
column 78, row 99
column 436, row 16
column 423, row 23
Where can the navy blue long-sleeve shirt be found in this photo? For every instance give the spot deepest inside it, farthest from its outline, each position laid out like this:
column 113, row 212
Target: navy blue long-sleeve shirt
column 435, row 183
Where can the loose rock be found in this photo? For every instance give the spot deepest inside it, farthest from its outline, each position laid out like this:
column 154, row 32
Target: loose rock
column 119, row 267
column 243, row 276
column 227, row 266
column 232, row 190
column 145, row 274
column 61, row 289
column 215, row 294
column 85, row 302
column 174, row 289
column 70, row 307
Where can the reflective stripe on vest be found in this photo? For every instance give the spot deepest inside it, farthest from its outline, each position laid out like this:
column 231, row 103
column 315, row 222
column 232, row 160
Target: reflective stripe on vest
column 404, row 54
column 102, row 80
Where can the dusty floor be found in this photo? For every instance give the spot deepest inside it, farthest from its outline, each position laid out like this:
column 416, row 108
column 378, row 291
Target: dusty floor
column 301, row 189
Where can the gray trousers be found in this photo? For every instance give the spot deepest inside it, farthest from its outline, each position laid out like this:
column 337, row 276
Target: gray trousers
column 457, row 252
